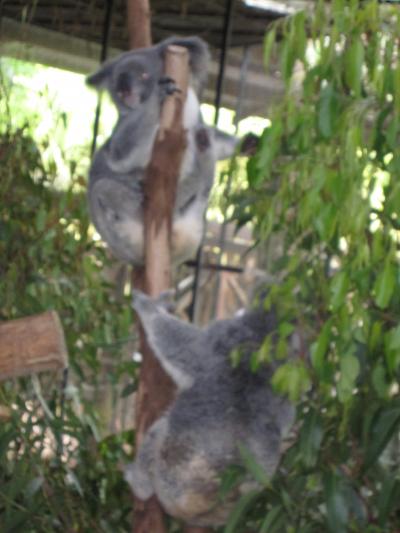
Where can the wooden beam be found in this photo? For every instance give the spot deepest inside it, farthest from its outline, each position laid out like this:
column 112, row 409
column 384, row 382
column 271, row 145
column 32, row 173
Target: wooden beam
column 31, row 345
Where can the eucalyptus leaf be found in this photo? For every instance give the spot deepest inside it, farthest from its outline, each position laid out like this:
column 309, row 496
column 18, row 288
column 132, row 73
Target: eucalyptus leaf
column 336, row 503
column 239, row 513
column 385, row 285
column 382, row 430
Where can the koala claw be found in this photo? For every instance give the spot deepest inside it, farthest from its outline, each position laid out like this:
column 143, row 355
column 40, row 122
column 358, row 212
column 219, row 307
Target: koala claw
column 168, row 85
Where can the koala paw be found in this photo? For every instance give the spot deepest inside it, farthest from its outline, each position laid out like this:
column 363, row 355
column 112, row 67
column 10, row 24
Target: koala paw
column 168, row 86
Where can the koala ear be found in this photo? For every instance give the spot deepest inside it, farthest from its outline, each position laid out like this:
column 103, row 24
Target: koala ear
column 199, row 57
column 99, row 79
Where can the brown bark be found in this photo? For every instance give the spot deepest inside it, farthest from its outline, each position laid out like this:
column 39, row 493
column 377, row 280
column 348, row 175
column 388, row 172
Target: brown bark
column 156, row 389
column 161, row 177
column 31, row 345
column 139, row 27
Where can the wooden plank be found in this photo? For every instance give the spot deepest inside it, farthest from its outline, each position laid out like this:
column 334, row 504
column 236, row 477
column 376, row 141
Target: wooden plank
column 32, row 344
column 5, row 413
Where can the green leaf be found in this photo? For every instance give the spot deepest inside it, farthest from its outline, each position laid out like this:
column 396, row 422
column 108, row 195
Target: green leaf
column 320, row 347
column 264, row 353
column 336, row 503
column 383, row 428
column 299, row 36
column 396, row 83
column 327, row 110
column 388, row 498
column 269, row 42
column 354, row 58
column 273, row 520
column 375, row 336
column 41, row 218
column 339, row 288
column 292, row 379
column 379, row 381
column 231, row 478
column 5, row 439
column 349, row 372
column 235, row 356
column 326, row 221
column 239, row 512
column 311, row 438
column 269, row 144
column 285, row 329
column 394, row 338
column 252, row 466
column 385, row 285
column 288, row 59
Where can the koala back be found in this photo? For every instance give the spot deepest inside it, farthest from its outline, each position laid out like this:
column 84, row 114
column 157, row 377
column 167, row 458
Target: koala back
column 226, row 408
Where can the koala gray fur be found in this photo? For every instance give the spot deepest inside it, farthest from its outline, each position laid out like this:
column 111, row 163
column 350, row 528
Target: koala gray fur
column 217, row 407
column 136, row 84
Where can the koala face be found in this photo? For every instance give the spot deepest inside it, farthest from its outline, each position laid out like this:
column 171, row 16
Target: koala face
column 132, row 82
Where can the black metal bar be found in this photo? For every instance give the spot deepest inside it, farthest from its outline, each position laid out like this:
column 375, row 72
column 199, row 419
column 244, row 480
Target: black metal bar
column 227, row 31
column 244, row 66
column 222, row 236
column 214, row 266
column 103, row 56
column 226, row 38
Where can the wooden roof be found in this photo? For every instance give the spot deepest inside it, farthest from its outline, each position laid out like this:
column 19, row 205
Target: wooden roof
column 85, row 19
column 68, row 34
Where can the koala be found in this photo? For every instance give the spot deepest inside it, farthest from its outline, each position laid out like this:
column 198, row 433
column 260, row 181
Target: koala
column 217, row 407
column 137, row 86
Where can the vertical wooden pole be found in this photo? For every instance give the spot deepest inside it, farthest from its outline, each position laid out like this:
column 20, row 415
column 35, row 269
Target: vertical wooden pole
column 156, row 390
column 147, row 516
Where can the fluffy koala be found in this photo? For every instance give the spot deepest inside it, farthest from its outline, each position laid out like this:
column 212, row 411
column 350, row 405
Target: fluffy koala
column 137, row 86
column 217, row 407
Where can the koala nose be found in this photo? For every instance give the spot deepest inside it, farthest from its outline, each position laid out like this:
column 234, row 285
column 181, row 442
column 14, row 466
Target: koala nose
column 124, row 83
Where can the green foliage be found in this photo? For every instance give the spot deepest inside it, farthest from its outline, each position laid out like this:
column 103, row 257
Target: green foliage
column 324, row 185
column 56, row 472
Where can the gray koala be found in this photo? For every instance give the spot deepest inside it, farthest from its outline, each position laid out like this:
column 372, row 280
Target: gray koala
column 137, row 86
column 185, row 452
